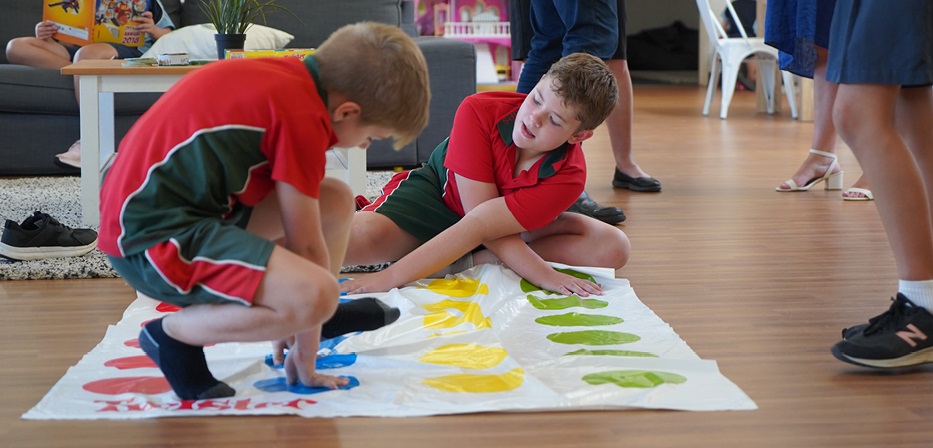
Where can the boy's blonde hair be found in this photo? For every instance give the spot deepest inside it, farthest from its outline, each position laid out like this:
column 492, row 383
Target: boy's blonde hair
column 585, row 83
column 382, row 69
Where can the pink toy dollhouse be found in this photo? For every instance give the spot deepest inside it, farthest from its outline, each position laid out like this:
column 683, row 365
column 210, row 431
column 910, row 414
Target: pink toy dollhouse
column 485, row 23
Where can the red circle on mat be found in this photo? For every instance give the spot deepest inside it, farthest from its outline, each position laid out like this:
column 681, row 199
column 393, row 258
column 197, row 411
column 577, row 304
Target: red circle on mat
column 129, row 385
column 163, row 307
column 132, row 343
column 131, row 362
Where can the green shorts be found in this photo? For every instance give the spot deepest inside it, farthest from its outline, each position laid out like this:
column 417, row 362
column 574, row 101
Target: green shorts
column 213, row 261
column 413, row 201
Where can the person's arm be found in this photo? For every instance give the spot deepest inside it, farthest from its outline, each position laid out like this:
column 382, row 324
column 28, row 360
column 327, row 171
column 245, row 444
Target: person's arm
column 147, row 25
column 301, row 222
column 491, row 220
column 515, row 253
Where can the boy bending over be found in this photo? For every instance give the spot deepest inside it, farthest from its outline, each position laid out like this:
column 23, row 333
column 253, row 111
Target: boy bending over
column 209, row 202
column 511, row 166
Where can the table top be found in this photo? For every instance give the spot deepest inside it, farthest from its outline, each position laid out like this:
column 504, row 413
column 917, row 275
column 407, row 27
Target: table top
column 115, row 67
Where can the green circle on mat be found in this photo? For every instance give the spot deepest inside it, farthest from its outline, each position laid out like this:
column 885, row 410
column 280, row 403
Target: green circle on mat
column 634, row 378
column 528, row 287
column 565, row 302
column 593, row 337
column 578, row 320
column 585, row 352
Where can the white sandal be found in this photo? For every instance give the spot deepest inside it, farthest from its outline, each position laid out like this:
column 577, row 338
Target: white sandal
column 833, row 180
column 866, row 194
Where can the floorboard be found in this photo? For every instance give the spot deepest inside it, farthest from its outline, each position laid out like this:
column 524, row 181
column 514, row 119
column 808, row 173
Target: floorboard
column 760, row 281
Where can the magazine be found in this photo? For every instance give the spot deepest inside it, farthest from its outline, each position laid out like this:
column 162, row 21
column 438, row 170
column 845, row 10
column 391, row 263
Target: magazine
column 81, row 22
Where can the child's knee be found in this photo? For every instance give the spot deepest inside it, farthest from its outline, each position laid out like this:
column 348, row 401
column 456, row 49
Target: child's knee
column 621, row 250
column 315, row 301
column 95, row 51
column 336, row 196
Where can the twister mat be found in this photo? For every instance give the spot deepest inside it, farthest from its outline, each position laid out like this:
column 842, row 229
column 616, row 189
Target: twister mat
column 482, row 341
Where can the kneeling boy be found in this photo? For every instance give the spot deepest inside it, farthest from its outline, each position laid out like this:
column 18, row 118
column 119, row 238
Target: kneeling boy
column 217, row 200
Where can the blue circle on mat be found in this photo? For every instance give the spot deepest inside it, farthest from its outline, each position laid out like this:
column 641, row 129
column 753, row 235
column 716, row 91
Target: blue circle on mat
column 326, row 362
column 280, row 384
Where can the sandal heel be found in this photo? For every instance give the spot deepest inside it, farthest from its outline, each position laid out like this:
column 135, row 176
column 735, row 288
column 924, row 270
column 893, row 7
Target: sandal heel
column 834, row 181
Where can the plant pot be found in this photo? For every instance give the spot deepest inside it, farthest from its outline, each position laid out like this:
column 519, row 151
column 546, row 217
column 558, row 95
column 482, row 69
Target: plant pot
column 229, row 42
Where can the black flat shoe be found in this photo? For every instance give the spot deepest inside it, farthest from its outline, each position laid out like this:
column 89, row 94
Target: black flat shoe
column 585, row 205
column 642, row 184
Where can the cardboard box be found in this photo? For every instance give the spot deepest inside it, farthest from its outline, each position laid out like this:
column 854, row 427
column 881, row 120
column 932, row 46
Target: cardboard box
column 299, row 53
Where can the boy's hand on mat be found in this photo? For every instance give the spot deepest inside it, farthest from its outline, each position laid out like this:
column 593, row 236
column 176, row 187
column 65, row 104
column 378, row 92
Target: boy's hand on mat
column 299, row 368
column 375, row 282
column 567, row 284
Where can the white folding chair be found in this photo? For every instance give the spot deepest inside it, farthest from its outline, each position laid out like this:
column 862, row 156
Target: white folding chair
column 729, row 52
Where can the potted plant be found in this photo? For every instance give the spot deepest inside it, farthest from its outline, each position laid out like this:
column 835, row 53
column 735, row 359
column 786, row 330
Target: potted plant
column 231, row 18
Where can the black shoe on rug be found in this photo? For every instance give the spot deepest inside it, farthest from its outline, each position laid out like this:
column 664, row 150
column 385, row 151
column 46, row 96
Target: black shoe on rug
column 42, row 236
column 641, row 184
column 902, row 336
column 585, row 205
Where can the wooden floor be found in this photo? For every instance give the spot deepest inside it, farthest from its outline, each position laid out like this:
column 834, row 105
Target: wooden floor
column 762, row 282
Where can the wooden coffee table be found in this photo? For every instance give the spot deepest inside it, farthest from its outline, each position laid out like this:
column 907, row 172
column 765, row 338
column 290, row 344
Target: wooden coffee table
column 98, row 80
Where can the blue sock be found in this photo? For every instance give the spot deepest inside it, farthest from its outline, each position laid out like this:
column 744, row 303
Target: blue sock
column 183, row 365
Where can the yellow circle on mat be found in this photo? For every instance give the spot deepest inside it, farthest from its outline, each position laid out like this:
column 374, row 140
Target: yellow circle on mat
column 467, row 356
column 478, row 384
column 458, row 287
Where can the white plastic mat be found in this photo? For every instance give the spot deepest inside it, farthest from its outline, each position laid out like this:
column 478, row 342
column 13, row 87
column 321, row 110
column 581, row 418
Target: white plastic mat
column 483, row 341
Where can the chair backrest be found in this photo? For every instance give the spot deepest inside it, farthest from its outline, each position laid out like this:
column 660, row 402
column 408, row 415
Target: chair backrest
column 710, row 19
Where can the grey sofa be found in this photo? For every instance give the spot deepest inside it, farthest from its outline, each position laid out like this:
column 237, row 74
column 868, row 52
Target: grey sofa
column 39, row 115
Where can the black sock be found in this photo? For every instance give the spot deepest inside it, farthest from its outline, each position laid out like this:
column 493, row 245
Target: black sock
column 183, row 365
column 364, row 314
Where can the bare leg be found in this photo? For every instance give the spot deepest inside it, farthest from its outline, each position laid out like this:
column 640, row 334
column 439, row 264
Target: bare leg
column 36, row 52
column 824, row 133
column 866, row 117
column 72, row 157
column 619, row 123
column 374, row 239
column 93, row 51
column 914, row 115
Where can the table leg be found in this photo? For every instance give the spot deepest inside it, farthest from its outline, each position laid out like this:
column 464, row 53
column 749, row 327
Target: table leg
column 90, row 111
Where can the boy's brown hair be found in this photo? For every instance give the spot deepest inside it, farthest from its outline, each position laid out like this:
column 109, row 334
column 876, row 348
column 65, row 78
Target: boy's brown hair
column 585, row 83
column 382, row 69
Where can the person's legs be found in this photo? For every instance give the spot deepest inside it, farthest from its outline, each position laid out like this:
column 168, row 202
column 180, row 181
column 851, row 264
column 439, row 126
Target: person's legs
column 824, row 133
column 374, row 239
column 546, row 43
column 574, row 240
column 914, row 115
column 337, row 212
column 866, row 118
column 619, row 124
column 36, row 52
column 72, row 157
column 887, row 128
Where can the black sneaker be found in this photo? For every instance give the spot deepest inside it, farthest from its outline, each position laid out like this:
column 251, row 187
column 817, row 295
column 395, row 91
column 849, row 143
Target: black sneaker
column 901, row 336
column 42, row 236
column 585, row 205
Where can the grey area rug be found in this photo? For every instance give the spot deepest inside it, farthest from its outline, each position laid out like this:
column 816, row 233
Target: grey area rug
column 60, row 198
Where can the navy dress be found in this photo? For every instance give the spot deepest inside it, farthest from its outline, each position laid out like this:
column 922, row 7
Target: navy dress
column 796, row 28
column 882, row 42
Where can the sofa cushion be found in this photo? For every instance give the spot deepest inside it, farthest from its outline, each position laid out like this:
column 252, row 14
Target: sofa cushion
column 34, row 90
column 316, row 19
column 198, row 41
